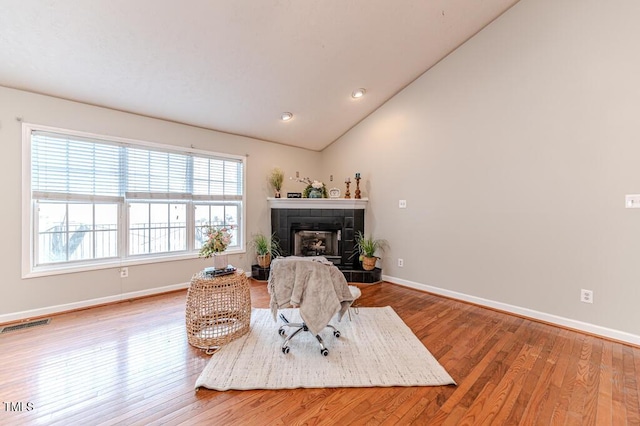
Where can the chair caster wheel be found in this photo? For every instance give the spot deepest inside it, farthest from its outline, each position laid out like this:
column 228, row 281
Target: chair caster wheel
column 285, row 350
column 324, row 352
column 336, row 333
column 281, row 331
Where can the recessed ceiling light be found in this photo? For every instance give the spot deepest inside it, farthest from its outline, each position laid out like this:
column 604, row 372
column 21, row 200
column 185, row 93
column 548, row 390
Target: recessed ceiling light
column 358, row 93
column 286, row 116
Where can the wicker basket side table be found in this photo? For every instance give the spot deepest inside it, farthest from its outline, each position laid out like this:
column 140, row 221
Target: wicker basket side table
column 218, row 309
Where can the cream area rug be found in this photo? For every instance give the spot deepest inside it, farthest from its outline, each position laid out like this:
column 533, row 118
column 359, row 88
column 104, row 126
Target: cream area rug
column 376, row 348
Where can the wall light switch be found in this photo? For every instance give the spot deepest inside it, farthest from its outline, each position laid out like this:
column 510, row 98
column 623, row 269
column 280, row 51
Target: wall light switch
column 402, row 204
column 632, row 201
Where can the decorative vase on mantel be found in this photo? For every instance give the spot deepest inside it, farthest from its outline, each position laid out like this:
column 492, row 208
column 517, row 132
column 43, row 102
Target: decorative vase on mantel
column 315, row 193
column 220, row 260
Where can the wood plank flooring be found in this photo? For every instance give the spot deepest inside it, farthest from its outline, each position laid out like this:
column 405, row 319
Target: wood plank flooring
column 130, row 364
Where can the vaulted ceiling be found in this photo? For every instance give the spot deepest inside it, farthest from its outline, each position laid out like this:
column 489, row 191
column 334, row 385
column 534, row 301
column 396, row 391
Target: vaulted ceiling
column 234, row 66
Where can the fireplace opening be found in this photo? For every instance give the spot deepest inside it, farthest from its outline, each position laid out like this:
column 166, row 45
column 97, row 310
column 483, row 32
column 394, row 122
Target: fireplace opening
column 317, row 240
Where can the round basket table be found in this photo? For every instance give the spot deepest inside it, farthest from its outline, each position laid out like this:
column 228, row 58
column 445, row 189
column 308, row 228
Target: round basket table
column 218, row 309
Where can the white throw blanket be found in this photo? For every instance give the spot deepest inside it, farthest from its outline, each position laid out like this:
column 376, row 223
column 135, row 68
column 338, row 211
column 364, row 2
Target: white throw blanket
column 314, row 284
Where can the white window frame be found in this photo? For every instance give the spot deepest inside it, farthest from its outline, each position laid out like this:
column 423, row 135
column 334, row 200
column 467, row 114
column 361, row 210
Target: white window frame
column 29, row 243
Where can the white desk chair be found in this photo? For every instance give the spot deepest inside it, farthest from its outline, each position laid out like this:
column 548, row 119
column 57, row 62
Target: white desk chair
column 355, row 293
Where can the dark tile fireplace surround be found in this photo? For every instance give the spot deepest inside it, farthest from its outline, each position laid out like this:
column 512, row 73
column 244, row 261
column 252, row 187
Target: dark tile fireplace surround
column 335, row 221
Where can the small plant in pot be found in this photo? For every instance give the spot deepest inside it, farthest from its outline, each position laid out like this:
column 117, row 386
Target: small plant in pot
column 275, row 179
column 266, row 248
column 367, row 247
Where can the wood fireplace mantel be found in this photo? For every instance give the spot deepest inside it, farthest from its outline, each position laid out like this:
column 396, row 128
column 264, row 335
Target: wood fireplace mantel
column 318, row 203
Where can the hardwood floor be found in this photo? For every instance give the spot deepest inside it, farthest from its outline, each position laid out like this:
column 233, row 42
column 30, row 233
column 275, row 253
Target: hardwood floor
column 130, row 363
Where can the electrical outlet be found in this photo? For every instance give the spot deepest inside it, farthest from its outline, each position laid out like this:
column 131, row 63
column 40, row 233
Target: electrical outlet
column 586, row 296
column 632, row 201
column 124, row 272
column 402, row 204
column 400, row 263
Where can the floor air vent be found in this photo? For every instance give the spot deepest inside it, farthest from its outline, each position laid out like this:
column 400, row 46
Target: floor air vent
column 24, row 325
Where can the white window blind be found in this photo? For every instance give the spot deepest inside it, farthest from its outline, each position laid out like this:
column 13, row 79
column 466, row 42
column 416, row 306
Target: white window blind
column 216, row 179
column 155, row 174
column 65, row 167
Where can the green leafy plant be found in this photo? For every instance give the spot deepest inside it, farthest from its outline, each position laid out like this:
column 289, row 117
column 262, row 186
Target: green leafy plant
column 367, row 246
column 276, row 178
column 266, row 245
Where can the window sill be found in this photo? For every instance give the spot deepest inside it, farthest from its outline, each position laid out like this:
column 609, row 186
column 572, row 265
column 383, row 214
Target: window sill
column 115, row 263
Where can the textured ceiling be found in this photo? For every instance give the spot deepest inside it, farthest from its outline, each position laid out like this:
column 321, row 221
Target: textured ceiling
column 234, row 66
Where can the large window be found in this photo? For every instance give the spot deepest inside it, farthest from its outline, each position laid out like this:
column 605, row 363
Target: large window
column 96, row 201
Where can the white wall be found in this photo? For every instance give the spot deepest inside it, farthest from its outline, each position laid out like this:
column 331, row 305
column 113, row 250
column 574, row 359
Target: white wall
column 514, row 154
column 20, row 297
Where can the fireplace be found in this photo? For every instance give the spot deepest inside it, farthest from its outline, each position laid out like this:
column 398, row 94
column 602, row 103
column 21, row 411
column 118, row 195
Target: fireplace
column 321, row 227
column 308, row 227
column 317, row 240
column 309, row 232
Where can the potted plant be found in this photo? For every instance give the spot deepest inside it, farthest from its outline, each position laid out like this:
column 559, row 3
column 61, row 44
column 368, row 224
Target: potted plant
column 275, row 179
column 218, row 238
column 266, row 248
column 367, row 247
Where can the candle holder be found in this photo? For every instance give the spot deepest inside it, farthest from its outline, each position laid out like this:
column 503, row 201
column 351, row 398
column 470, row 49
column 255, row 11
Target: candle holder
column 347, row 194
column 357, row 196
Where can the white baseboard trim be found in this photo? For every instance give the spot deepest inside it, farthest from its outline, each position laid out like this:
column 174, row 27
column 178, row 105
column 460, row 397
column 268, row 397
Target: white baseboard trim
column 597, row 330
column 50, row 310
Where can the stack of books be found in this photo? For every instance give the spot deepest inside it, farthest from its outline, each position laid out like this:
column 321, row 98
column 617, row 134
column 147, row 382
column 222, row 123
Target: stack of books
column 213, row 272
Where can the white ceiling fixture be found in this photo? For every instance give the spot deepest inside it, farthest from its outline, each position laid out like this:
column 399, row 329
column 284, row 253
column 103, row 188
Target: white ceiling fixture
column 221, row 64
column 286, row 116
column 358, row 93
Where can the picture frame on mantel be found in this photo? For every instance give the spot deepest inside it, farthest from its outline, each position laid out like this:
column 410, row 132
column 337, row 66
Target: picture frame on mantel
column 334, row 193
